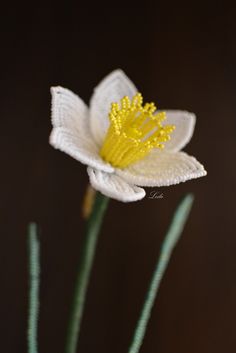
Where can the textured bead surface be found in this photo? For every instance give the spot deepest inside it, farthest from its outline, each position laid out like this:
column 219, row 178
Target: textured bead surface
column 184, row 123
column 111, row 89
column 115, row 187
column 71, row 133
column 162, row 168
column 69, row 111
column 134, row 131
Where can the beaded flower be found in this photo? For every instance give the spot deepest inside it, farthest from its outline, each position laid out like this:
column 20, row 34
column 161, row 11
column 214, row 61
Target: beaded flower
column 125, row 143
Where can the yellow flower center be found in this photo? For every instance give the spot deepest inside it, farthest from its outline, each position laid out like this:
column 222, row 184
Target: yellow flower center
column 133, row 132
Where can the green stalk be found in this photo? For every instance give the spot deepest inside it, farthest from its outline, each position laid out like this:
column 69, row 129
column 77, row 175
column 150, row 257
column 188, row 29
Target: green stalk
column 86, row 261
column 170, row 240
column 34, row 281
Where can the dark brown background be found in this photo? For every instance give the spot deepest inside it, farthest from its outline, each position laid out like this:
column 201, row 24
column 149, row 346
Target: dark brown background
column 181, row 55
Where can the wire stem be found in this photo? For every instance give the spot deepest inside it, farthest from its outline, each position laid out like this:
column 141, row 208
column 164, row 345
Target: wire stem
column 87, row 257
column 34, row 282
column 170, row 240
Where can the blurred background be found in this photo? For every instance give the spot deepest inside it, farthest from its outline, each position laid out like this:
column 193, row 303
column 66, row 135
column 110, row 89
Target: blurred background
column 181, row 55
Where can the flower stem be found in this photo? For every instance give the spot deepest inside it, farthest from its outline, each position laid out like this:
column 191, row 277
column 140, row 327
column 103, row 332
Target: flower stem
column 34, row 279
column 88, row 252
column 170, row 240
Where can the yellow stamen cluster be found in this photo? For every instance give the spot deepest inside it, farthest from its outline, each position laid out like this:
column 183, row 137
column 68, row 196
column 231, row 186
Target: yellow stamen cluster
column 134, row 131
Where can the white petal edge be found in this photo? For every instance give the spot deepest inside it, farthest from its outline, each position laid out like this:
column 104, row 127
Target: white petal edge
column 69, row 111
column 82, row 149
column 163, row 169
column 184, row 127
column 111, row 89
column 115, row 187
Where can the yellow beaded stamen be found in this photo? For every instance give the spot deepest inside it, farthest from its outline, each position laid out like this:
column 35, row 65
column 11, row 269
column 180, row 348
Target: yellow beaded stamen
column 134, row 131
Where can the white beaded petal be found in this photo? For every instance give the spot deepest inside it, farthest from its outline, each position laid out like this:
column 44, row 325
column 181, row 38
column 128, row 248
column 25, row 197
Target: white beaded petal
column 78, row 147
column 162, row 168
column 111, row 89
column 184, row 127
column 115, row 187
column 69, row 111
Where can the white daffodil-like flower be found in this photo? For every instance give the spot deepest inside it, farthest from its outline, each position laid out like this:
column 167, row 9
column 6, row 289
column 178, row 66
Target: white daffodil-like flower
column 123, row 142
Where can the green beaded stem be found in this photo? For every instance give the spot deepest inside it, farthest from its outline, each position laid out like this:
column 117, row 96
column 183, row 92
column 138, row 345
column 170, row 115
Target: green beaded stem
column 34, row 281
column 86, row 261
column 170, row 240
